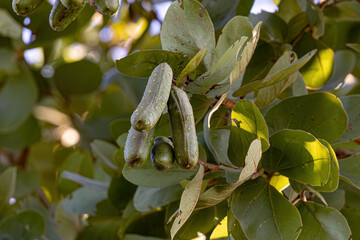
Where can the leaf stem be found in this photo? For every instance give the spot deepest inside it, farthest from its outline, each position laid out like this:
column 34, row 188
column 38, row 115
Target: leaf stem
column 258, row 173
column 303, row 196
column 211, row 166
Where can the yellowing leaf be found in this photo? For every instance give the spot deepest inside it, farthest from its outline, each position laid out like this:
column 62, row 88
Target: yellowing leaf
column 220, row 230
column 279, row 182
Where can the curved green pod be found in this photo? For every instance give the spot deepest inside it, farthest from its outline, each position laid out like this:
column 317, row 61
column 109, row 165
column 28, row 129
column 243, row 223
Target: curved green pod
column 154, row 100
column 61, row 17
column 25, row 7
column 162, row 153
column 72, row 4
column 138, row 146
column 107, row 6
column 183, row 129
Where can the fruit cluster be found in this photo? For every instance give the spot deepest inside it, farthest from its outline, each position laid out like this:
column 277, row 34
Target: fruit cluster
column 64, row 12
column 140, row 142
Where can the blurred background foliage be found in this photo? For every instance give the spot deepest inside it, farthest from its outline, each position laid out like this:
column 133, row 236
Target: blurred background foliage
column 64, row 107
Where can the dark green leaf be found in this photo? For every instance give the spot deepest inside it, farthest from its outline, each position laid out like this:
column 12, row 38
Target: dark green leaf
column 147, row 176
column 77, row 162
column 8, row 64
column 288, row 9
column 147, row 199
column 9, row 27
column 22, row 88
column 119, row 127
column 277, row 218
column 352, row 108
column 244, row 6
column 104, row 151
column 187, row 28
column 316, row 19
column 298, row 155
column 120, row 192
column 77, row 77
column 247, row 125
column 83, row 201
column 322, row 222
column 26, row 134
column 344, row 11
column 142, row 63
column 301, row 113
column 220, row 11
column 350, row 169
column 296, row 26
column 27, row 225
column 26, row 182
column 273, row 28
column 7, row 186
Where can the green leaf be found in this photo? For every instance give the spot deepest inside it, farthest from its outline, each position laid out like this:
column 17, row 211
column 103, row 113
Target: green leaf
column 322, row 222
column 147, row 176
column 296, row 26
column 319, row 69
column 188, row 201
column 344, row 62
column 288, row 9
column 263, row 212
column 236, row 28
column 147, row 199
column 273, row 28
column 26, row 183
column 244, row 6
column 139, row 237
column 234, row 229
column 350, row 169
column 220, row 11
column 142, row 63
column 77, row 77
column 104, row 151
column 246, row 54
column 266, row 95
column 120, row 192
column 355, row 46
column 190, row 67
column 301, row 113
column 83, row 201
column 352, row 108
column 298, row 155
column 119, row 127
column 8, row 64
column 335, row 199
column 247, row 125
column 7, row 186
column 218, row 72
column 275, row 77
column 316, row 19
column 187, row 28
column 333, row 181
column 9, row 27
column 78, row 162
column 299, row 87
column 344, row 11
column 22, row 88
column 27, row 225
column 200, row 105
column 220, row 192
column 26, row 134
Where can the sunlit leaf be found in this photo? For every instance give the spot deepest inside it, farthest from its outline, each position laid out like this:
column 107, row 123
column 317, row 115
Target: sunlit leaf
column 298, row 155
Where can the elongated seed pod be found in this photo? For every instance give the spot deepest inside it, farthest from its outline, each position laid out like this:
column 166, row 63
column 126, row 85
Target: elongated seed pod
column 107, row 6
column 25, row 7
column 162, row 153
column 138, row 146
column 154, row 99
column 61, row 17
column 183, row 129
column 72, row 4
